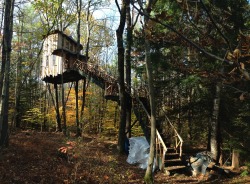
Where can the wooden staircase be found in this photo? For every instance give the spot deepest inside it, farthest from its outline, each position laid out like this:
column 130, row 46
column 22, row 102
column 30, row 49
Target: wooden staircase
column 168, row 158
column 173, row 163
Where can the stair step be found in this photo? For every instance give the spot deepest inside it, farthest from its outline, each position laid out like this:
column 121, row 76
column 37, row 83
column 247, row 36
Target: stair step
column 173, row 162
column 169, row 156
column 171, row 150
column 176, row 169
column 171, row 168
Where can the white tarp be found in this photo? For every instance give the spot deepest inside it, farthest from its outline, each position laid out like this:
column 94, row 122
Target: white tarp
column 138, row 151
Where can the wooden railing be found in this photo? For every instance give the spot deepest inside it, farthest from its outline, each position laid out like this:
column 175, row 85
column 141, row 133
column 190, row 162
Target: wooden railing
column 161, row 150
column 95, row 70
column 178, row 139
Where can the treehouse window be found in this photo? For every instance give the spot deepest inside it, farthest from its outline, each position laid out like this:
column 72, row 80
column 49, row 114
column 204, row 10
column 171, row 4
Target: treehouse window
column 54, row 59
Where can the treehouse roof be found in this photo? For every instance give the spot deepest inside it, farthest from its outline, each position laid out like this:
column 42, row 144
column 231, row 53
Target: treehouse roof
column 69, row 38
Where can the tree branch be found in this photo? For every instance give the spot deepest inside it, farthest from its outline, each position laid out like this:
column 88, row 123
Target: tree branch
column 184, row 37
column 215, row 25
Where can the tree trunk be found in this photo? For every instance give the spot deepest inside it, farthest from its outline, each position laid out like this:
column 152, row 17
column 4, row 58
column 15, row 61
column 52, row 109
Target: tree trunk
column 235, row 159
column 83, row 102
column 78, row 130
column 214, row 134
column 17, row 118
column 149, row 172
column 122, row 94
column 58, row 117
column 5, row 71
column 64, row 110
column 128, row 69
column 87, row 55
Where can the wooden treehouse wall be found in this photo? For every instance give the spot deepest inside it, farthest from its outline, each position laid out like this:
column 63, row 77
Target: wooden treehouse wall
column 59, row 53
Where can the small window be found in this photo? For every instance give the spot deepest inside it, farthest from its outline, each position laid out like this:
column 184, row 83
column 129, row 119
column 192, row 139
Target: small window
column 54, row 59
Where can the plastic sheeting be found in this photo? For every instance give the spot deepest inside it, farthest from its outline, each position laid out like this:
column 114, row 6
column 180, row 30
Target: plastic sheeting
column 138, row 151
column 200, row 162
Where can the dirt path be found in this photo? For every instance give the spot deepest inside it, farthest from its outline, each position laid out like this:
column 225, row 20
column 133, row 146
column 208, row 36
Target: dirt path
column 34, row 158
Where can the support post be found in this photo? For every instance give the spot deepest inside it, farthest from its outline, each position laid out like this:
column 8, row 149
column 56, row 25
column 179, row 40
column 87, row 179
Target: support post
column 58, row 118
column 78, row 130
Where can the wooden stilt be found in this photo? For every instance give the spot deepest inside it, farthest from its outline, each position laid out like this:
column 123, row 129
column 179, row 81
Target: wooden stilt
column 58, row 118
column 84, row 85
column 78, row 130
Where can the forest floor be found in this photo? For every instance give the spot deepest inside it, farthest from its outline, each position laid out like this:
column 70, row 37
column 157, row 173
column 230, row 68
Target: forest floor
column 33, row 158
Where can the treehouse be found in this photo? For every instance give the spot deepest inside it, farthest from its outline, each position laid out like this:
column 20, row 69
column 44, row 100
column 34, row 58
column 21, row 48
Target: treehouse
column 61, row 58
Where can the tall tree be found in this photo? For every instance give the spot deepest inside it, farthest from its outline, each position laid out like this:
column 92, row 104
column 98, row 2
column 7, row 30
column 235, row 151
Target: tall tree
column 215, row 125
column 5, row 71
column 79, row 9
column 84, row 84
column 129, row 41
column 17, row 118
column 150, row 80
column 122, row 93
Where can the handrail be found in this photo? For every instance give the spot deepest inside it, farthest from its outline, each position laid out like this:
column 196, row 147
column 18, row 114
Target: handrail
column 161, row 141
column 161, row 150
column 177, row 144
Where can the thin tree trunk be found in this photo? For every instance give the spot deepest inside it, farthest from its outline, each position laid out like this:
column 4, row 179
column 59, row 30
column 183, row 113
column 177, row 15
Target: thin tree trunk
column 149, row 172
column 128, row 68
column 83, row 102
column 235, row 160
column 64, row 111
column 214, row 135
column 45, row 107
column 62, row 67
column 78, row 130
column 115, row 117
column 1, row 25
column 190, row 114
column 17, row 118
column 5, row 71
column 87, row 55
column 79, row 9
column 122, row 94
column 58, row 117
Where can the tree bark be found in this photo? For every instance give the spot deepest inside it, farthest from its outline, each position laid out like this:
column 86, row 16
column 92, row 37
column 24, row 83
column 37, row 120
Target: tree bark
column 17, row 118
column 78, row 130
column 122, row 94
column 150, row 79
column 84, row 85
column 235, row 159
column 64, row 110
column 5, row 71
column 128, row 68
column 214, row 126
column 58, row 117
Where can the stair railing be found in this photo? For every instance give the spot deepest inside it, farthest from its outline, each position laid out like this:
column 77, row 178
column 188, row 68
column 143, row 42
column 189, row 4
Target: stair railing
column 178, row 138
column 161, row 150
